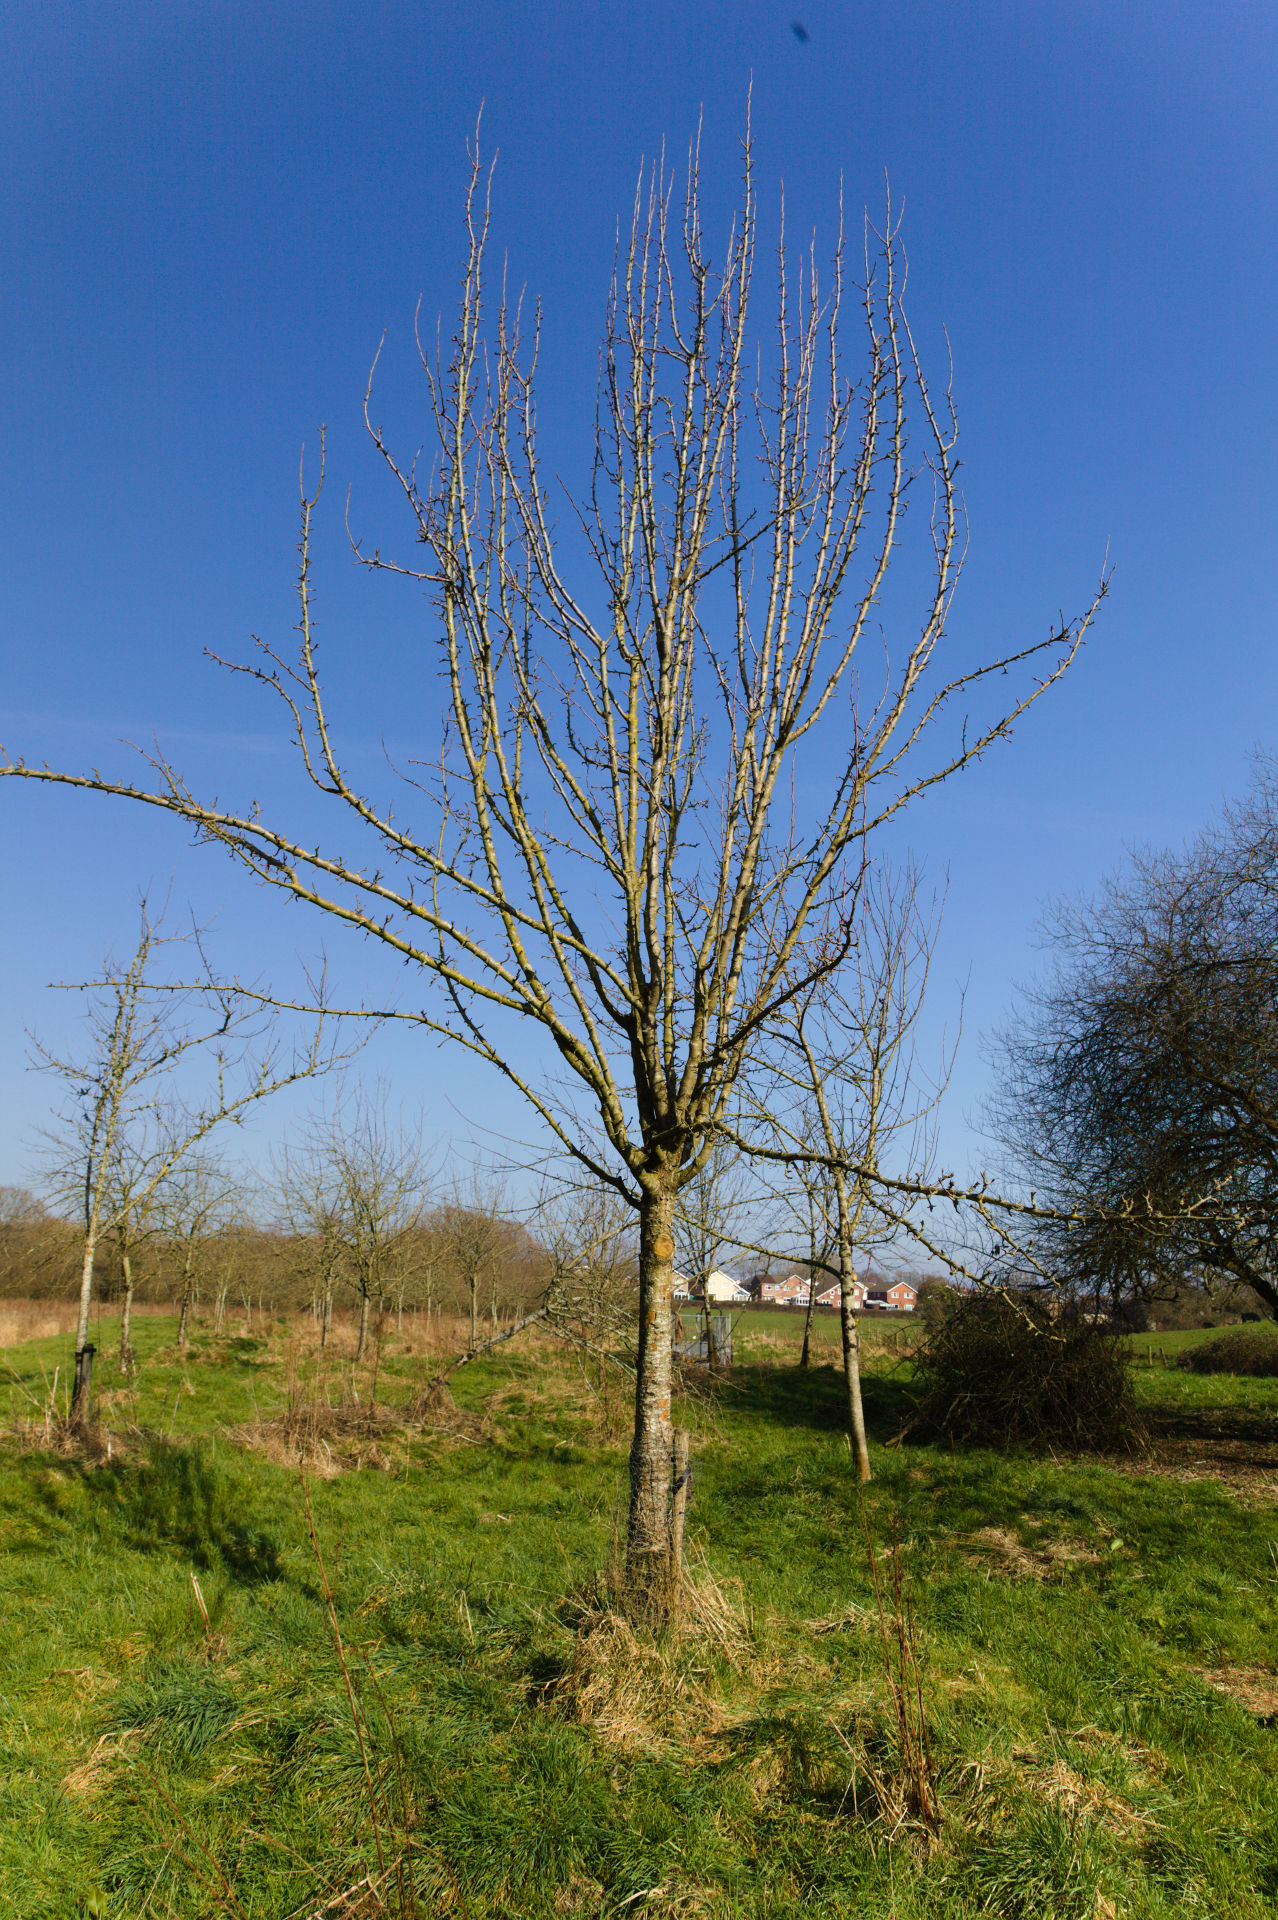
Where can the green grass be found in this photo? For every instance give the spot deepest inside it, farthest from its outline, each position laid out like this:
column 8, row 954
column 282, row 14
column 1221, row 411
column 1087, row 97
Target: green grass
column 1066, row 1617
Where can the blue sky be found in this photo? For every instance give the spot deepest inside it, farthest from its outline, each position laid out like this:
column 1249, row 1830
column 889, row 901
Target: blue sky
column 212, row 214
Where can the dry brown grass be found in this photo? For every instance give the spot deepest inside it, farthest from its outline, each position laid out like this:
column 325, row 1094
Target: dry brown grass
column 1255, row 1688
column 638, row 1694
column 1062, row 1787
column 327, row 1440
column 641, row 1693
column 22, row 1320
column 86, row 1780
column 999, row 1551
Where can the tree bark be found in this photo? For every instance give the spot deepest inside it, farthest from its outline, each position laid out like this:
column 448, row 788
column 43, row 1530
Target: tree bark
column 82, row 1395
column 648, row 1589
column 805, row 1358
column 128, row 1359
column 679, row 1510
column 326, row 1314
column 186, row 1303
column 363, row 1327
column 852, row 1374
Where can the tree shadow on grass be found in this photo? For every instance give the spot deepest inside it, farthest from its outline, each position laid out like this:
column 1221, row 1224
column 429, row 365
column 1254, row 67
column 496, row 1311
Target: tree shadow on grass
column 814, row 1397
column 176, row 1498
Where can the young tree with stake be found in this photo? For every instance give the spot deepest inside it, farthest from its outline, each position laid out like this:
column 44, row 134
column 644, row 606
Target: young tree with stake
column 616, row 845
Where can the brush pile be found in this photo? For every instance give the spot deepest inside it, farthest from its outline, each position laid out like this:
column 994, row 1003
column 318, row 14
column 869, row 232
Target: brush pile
column 998, row 1372
column 1249, row 1350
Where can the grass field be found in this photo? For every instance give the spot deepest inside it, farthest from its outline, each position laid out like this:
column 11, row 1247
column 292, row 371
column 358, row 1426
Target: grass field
column 188, row 1728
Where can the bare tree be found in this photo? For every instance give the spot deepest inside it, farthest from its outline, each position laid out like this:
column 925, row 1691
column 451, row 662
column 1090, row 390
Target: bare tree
column 475, row 1241
column 199, row 1197
column 616, row 845
column 708, row 1209
column 841, row 1103
column 588, row 1233
column 131, row 1205
column 1139, row 1093
column 813, row 1200
column 380, row 1185
column 310, row 1191
column 121, row 1135
column 709, row 1206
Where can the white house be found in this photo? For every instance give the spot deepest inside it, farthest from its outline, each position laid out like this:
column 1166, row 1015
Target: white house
column 721, row 1290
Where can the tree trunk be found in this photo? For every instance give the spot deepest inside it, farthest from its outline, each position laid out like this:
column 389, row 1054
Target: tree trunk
column 474, row 1331
column 81, row 1396
column 805, row 1358
column 82, row 1393
column 648, row 1589
column 679, row 1510
column 852, row 1373
column 326, row 1314
column 186, row 1303
column 128, row 1359
column 363, row 1326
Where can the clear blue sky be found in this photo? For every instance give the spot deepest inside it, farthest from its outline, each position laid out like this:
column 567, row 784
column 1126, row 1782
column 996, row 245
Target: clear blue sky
column 212, row 213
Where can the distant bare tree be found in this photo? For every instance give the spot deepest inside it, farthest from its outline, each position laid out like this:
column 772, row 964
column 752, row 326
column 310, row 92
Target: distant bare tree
column 707, row 1218
column 588, row 1233
column 709, row 1207
column 200, row 1196
column 617, row 845
column 310, row 1192
column 380, row 1182
column 842, row 1102
column 131, row 1195
column 125, row 1130
column 475, row 1243
column 813, row 1204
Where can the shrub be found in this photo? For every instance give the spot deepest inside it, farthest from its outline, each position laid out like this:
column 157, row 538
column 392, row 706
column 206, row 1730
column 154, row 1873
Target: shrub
column 998, row 1373
column 1251, row 1350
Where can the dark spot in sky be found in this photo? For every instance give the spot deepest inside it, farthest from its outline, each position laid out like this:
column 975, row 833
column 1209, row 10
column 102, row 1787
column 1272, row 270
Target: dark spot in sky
column 799, row 31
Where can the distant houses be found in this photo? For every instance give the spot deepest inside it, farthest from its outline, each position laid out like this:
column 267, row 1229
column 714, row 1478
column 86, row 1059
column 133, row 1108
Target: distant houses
column 778, row 1290
column 871, row 1292
column 718, row 1289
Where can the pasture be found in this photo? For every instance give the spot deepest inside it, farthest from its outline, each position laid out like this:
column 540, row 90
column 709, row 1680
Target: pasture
column 282, row 1644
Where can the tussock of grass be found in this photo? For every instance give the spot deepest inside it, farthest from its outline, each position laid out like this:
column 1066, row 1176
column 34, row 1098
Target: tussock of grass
column 637, row 1695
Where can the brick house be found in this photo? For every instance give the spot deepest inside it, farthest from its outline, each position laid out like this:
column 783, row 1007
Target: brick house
column 874, row 1293
column 778, row 1290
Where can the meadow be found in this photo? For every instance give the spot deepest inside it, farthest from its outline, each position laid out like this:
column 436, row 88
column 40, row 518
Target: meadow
column 294, row 1639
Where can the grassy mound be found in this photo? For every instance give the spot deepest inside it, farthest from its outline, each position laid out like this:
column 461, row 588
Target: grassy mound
column 998, row 1373
column 1249, row 1350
